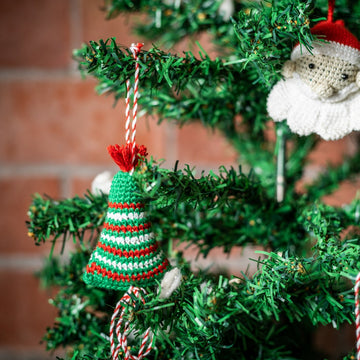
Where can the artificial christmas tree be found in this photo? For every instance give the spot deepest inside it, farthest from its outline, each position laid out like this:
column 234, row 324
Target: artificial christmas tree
column 310, row 260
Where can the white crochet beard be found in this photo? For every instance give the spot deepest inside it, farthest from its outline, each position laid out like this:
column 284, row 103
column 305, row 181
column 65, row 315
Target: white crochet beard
column 306, row 113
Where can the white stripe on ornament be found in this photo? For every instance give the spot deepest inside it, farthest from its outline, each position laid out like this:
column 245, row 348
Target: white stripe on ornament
column 124, row 216
column 134, row 240
column 143, row 265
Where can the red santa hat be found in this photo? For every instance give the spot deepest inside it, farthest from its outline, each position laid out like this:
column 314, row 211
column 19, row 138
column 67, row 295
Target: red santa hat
column 334, row 40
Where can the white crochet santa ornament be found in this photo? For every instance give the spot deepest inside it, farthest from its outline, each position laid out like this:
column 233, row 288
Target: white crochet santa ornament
column 320, row 92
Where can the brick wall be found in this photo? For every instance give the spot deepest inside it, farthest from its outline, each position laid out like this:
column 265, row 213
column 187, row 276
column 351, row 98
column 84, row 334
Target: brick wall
column 54, row 132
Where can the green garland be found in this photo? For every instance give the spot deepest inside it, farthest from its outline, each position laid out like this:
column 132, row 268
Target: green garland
column 288, row 288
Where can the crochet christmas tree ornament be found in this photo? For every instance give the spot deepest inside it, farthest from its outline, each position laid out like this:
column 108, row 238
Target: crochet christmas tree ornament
column 127, row 252
column 320, row 93
column 127, row 256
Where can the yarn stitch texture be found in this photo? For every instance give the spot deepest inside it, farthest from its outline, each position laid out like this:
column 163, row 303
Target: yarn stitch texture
column 304, row 115
column 127, row 252
column 320, row 71
column 334, row 40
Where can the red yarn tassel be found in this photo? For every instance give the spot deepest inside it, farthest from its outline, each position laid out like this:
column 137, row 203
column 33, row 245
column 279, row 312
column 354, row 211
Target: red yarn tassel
column 124, row 155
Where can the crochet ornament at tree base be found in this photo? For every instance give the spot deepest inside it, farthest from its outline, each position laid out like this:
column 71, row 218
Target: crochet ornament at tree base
column 321, row 90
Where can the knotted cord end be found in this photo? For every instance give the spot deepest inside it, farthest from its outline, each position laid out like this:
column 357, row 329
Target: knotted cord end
column 135, row 48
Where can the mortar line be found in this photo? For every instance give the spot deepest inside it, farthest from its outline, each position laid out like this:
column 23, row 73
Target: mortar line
column 65, row 184
column 21, row 262
column 76, row 33
column 10, row 170
column 39, row 75
column 171, row 144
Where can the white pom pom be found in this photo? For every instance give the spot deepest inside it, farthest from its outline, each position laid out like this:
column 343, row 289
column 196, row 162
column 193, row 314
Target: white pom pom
column 101, row 183
column 226, row 9
column 170, row 282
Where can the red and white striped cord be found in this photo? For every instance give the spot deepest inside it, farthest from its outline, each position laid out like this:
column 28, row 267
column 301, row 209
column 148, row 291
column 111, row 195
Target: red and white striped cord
column 127, row 112
column 122, row 336
column 135, row 49
column 357, row 315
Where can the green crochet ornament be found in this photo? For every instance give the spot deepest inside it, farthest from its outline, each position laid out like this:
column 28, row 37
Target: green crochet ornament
column 127, row 252
column 127, row 256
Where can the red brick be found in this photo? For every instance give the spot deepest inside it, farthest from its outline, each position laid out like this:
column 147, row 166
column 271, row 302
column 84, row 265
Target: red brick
column 344, row 194
column 326, row 153
column 35, row 34
column 27, row 353
column 65, row 122
column 80, row 185
column 334, row 343
column 233, row 263
column 96, row 26
column 25, row 310
column 197, row 145
column 270, row 132
column 190, row 43
column 331, row 152
column 15, row 200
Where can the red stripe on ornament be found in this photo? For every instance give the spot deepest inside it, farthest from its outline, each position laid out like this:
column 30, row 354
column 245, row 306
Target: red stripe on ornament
column 132, row 253
column 127, row 228
column 94, row 268
column 125, row 205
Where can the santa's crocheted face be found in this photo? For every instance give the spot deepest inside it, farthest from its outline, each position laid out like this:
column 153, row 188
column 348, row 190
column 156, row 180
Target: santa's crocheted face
column 321, row 90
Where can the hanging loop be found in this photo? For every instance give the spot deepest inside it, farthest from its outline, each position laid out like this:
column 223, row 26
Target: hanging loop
column 331, row 7
column 130, row 131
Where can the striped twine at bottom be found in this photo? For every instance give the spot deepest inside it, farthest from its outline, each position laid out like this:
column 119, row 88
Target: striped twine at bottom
column 122, row 337
column 357, row 315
